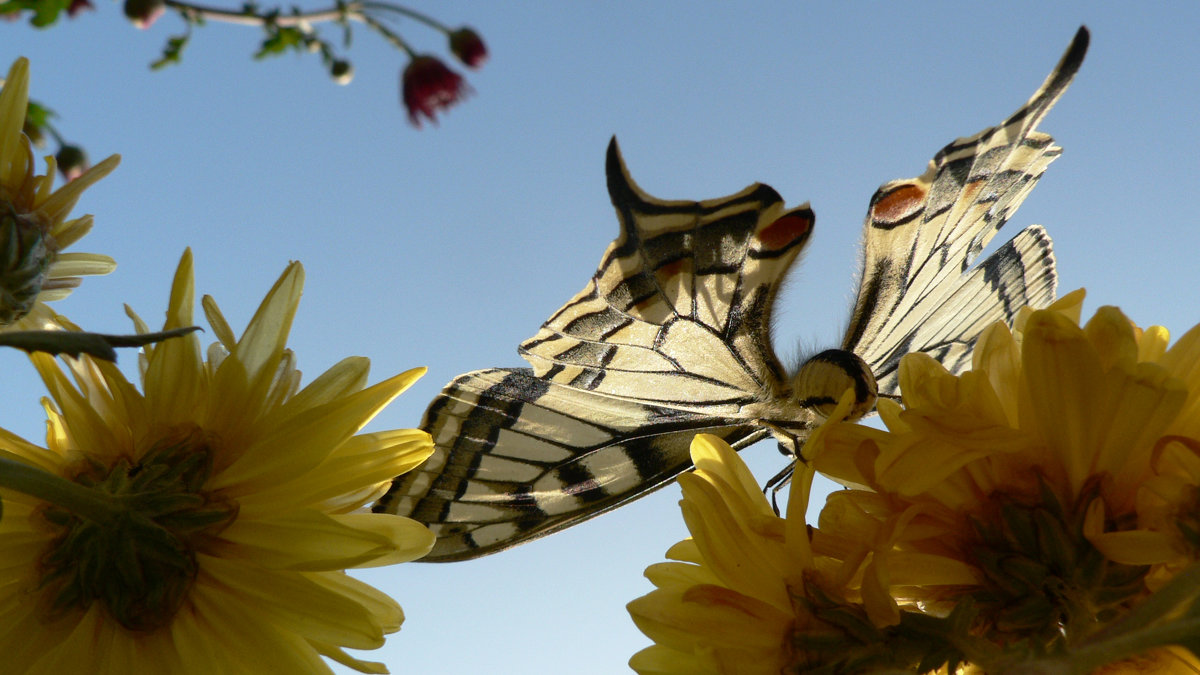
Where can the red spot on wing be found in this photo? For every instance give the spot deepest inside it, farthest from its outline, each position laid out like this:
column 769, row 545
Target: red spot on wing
column 786, row 229
column 900, row 203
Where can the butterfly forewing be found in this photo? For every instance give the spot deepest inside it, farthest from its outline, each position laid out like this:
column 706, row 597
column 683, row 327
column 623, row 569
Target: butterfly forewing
column 671, row 337
column 679, row 311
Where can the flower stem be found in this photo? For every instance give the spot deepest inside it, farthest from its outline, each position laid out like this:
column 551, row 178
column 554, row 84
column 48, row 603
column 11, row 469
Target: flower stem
column 387, row 34
column 54, row 132
column 351, row 10
column 355, row 11
column 79, row 500
column 404, row 11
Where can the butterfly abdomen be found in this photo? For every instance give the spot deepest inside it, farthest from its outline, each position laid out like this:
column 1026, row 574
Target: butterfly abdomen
column 822, row 380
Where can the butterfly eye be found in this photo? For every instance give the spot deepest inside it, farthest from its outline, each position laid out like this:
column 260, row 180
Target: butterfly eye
column 823, row 379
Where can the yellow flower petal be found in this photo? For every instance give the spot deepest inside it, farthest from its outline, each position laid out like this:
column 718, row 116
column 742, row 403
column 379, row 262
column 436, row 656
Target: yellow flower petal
column 407, row 539
column 308, row 541
column 309, row 439
column 1066, row 385
column 59, row 204
column 13, row 98
column 679, row 574
column 81, row 264
column 295, row 603
column 1135, row 547
column 265, row 337
column 659, row 660
column 717, row 616
column 741, row 560
column 1111, row 334
column 711, row 454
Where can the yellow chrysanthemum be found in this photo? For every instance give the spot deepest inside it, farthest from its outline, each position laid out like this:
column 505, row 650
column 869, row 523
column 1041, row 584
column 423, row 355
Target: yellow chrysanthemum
column 237, row 500
column 1062, row 471
column 747, row 594
column 34, row 229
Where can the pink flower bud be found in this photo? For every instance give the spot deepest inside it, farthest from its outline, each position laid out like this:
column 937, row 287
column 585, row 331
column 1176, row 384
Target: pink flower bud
column 468, row 47
column 427, row 86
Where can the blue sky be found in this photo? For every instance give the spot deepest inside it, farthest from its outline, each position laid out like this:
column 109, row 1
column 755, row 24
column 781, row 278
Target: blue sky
column 446, row 247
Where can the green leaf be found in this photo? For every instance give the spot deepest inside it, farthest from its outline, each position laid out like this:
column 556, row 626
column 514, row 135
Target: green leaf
column 45, row 12
column 280, row 40
column 172, row 52
column 35, row 113
column 74, row 343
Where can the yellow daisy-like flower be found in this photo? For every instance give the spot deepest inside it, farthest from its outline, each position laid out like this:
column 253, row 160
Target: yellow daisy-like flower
column 747, row 594
column 224, row 506
column 34, row 229
column 1062, row 471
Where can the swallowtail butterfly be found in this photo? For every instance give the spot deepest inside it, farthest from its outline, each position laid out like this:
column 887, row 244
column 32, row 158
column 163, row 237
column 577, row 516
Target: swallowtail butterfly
column 672, row 337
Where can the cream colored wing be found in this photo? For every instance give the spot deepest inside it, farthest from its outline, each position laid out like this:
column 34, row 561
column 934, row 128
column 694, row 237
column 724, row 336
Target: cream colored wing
column 518, row 457
column 679, row 312
column 669, row 338
column 918, row 290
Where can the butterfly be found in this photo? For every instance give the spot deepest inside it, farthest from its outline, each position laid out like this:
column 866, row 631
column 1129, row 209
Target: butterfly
column 671, row 337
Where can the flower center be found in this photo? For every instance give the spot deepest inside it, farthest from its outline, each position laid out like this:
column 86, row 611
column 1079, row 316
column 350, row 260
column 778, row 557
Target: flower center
column 1043, row 578
column 25, row 257
column 141, row 562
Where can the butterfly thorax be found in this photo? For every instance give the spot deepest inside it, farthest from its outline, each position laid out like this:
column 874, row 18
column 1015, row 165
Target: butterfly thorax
column 811, row 395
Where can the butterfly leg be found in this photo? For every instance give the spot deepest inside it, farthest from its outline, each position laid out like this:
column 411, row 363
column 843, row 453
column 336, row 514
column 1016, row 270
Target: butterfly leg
column 777, row 483
column 789, row 446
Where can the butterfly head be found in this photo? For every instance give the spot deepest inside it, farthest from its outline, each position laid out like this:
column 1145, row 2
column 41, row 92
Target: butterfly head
column 823, row 379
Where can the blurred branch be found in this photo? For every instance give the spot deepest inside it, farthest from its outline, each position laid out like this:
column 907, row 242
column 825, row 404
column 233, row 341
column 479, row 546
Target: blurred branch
column 425, row 89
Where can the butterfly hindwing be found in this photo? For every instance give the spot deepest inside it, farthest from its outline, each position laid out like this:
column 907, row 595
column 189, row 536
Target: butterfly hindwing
column 517, row 457
column 923, row 234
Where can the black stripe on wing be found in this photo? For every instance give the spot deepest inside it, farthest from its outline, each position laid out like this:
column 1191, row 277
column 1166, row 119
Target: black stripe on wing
column 518, row 457
column 1019, row 273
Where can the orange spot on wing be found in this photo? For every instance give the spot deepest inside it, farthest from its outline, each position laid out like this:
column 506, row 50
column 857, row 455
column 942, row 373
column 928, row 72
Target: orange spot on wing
column 786, row 229
column 673, row 268
column 898, row 204
column 970, row 190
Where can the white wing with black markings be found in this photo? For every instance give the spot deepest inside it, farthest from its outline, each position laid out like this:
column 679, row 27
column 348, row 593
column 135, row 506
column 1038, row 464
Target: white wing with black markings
column 672, row 337
column 519, row 456
column 668, row 338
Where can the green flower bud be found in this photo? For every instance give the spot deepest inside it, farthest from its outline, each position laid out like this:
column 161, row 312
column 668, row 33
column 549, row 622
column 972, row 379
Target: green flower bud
column 341, row 71
column 72, row 161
